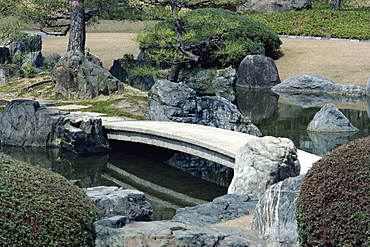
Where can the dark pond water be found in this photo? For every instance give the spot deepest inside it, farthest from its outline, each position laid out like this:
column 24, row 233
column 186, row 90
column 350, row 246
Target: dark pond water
column 141, row 167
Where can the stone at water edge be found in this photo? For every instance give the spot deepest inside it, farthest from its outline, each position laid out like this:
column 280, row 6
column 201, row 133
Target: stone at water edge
column 256, row 71
column 330, row 119
column 274, row 217
column 112, row 201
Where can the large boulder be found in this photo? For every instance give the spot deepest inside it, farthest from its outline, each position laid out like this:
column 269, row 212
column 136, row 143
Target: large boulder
column 27, row 52
column 330, row 119
column 113, row 201
column 277, row 6
column 174, row 234
column 256, row 71
column 274, row 217
column 169, row 101
column 306, row 82
column 25, row 123
column 262, row 162
column 312, row 83
column 227, row 207
column 77, row 78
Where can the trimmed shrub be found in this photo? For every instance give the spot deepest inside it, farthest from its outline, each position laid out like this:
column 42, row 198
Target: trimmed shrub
column 41, row 208
column 333, row 207
column 240, row 36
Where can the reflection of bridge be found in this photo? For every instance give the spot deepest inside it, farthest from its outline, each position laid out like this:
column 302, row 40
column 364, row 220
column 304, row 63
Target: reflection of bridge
column 215, row 144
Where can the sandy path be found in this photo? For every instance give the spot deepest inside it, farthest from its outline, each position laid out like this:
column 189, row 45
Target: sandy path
column 340, row 61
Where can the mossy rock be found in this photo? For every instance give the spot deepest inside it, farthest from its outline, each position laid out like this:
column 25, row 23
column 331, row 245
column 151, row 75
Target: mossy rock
column 333, row 207
column 41, row 208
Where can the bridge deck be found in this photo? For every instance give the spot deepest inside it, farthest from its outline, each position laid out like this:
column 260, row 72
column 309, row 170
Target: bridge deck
column 211, row 143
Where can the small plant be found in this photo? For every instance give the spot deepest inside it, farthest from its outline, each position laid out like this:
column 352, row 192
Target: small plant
column 29, row 72
column 41, row 208
column 333, row 207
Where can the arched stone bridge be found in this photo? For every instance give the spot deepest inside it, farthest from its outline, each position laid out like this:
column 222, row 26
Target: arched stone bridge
column 215, row 144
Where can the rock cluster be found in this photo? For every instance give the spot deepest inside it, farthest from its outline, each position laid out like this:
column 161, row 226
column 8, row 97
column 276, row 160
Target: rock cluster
column 25, row 123
column 77, row 78
column 169, row 101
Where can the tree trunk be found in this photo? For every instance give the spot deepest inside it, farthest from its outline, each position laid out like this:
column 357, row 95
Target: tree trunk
column 175, row 71
column 77, row 34
column 336, row 5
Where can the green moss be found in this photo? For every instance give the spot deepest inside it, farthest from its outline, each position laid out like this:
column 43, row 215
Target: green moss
column 333, row 207
column 41, row 208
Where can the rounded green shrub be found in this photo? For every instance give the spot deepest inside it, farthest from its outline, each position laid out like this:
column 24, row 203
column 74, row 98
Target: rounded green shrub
column 41, row 208
column 333, row 207
column 238, row 36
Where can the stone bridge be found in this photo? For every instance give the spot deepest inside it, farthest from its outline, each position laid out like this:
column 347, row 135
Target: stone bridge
column 214, row 144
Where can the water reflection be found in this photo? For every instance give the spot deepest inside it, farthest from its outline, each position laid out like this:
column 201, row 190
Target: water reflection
column 291, row 120
column 131, row 166
column 84, row 171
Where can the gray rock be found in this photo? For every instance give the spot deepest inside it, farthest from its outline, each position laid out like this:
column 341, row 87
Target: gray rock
column 214, row 82
column 306, row 82
column 112, row 201
column 4, row 54
column 114, row 222
column 330, row 119
column 121, row 70
column 368, row 87
column 262, row 162
column 169, row 101
column 265, row 6
column 348, row 90
column 79, row 79
column 175, row 234
column 51, row 60
column 256, row 71
column 311, row 83
column 222, row 208
column 25, row 123
column 27, row 52
column 81, row 134
column 274, row 218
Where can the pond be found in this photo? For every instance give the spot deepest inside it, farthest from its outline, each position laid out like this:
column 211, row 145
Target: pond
column 142, row 167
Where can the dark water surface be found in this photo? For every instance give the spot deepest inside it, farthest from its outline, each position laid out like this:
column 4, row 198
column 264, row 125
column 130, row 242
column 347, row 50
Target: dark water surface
column 141, row 167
